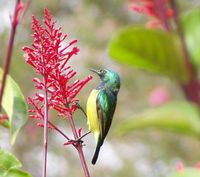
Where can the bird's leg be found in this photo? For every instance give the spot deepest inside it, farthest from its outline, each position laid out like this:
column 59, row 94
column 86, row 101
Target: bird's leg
column 79, row 107
column 79, row 140
column 84, row 135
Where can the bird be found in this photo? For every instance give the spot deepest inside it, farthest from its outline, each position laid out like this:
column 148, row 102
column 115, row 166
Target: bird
column 101, row 106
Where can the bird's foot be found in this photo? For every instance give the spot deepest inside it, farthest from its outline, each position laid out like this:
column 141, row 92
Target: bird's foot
column 74, row 142
column 78, row 141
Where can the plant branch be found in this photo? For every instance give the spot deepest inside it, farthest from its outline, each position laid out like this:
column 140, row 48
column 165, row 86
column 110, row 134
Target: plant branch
column 182, row 38
column 79, row 148
column 161, row 10
column 45, row 140
column 6, row 67
column 58, row 130
column 192, row 87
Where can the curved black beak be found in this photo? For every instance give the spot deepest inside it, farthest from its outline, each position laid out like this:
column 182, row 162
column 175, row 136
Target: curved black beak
column 95, row 71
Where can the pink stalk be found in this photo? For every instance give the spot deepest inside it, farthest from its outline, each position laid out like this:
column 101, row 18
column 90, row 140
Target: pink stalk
column 192, row 87
column 45, row 140
column 14, row 24
column 79, row 148
column 58, row 130
column 161, row 10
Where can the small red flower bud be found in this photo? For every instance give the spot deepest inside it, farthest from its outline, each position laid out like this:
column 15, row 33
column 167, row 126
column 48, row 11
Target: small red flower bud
column 80, row 132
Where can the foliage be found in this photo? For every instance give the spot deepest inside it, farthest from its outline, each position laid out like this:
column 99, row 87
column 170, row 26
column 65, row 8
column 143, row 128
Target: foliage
column 10, row 166
column 162, row 52
column 172, row 51
column 179, row 117
column 191, row 25
column 151, row 50
column 15, row 107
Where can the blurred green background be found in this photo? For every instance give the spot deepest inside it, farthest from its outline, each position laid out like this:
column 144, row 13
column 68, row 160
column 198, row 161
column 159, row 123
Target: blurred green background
column 151, row 153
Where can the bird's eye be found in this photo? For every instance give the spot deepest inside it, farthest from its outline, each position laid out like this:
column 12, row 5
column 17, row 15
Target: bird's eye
column 102, row 71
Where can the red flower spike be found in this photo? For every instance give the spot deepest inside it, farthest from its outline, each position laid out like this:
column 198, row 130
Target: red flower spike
column 49, row 57
column 153, row 11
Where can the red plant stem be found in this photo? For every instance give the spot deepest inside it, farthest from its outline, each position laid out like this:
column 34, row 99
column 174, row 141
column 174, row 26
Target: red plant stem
column 58, row 130
column 45, row 140
column 9, row 52
column 181, row 35
column 191, row 88
column 79, row 148
column 161, row 10
column 83, row 162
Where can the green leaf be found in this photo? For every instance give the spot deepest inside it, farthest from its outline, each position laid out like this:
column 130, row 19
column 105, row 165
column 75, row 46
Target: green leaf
column 191, row 25
column 8, row 161
column 9, row 165
column 186, row 172
column 16, row 173
column 152, row 50
column 15, row 106
column 179, row 117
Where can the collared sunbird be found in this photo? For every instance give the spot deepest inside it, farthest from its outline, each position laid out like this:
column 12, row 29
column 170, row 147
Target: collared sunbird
column 101, row 106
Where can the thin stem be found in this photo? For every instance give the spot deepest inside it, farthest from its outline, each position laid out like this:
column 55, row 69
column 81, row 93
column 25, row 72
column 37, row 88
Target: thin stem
column 58, row 130
column 83, row 162
column 192, row 87
column 14, row 24
column 79, row 148
column 74, row 131
column 45, row 140
column 182, row 38
column 161, row 10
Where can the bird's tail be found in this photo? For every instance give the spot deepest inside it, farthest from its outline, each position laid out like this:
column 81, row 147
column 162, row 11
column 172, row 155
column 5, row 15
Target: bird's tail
column 96, row 154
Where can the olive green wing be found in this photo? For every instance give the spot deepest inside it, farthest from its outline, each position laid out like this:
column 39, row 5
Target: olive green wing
column 105, row 109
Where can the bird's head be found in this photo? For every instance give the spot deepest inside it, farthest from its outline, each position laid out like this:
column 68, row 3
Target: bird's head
column 109, row 79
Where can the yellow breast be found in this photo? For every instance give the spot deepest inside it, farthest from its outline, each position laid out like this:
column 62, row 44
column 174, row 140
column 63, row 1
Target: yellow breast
column 92, row 116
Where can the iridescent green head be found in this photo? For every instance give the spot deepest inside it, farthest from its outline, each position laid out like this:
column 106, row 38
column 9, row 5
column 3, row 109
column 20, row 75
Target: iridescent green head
column 109, row 79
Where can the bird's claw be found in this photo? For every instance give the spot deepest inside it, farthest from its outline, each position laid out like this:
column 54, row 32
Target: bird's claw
column 79, row 140
column 76, row 142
